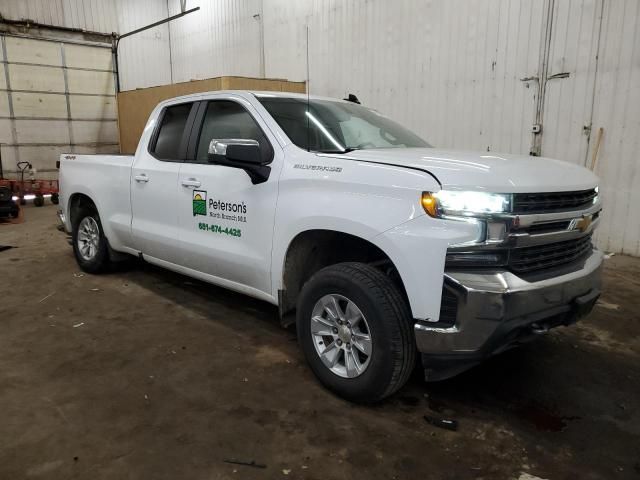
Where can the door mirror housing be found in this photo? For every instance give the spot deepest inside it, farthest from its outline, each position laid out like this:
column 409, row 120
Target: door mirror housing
column 240, row 153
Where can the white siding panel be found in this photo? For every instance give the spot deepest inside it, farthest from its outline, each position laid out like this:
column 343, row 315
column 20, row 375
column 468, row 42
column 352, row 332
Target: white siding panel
column 39, row 105
column 3, row 79
column 85, row 106
column 94, row 132
column 144, row 58
column 617, row 111
column 25, row 50
column 88, row 81
column 42, row 131
column 568, row 101
column 29, row 77
column 4, row 104
column 80, row 56
column 223, row 38
column 93, row 15
column 5, row 132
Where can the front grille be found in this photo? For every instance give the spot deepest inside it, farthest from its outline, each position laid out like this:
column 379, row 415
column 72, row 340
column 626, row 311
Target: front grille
column 524, row 203
column 529, row 259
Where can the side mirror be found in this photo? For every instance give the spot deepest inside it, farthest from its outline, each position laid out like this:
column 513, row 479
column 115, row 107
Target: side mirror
column 240, row 153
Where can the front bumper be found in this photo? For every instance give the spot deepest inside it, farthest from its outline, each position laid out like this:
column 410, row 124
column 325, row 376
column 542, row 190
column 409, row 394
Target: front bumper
column 496, row 310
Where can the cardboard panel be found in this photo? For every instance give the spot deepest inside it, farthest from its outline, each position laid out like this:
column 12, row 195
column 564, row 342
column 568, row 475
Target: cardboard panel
column 42, row 131
column 83, row 81
column 81, row 56
column 44, row 79
column 85, row 106
column 39, row 105
column 26, row 50
column 134, row 106
column 94, row 132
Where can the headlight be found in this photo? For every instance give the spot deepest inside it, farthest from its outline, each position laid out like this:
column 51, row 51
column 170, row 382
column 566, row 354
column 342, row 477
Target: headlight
column 464, row 203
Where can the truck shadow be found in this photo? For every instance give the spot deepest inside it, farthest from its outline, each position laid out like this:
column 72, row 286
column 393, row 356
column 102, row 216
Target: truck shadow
column 550, row 385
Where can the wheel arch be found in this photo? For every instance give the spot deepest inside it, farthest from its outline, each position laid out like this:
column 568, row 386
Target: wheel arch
column 311, row 250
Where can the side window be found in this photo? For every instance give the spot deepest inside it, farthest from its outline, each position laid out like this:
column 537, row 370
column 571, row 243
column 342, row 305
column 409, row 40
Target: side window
column 227, row 119
column 170, row 132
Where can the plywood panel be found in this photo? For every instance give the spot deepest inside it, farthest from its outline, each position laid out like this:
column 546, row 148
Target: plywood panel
column 94, row 132
column 29, row 77
column 42, row 131
column 92, row 107
column 83, row 81
column 81, row 56
column 39, row 105
column 135, row 106
column 26, row 50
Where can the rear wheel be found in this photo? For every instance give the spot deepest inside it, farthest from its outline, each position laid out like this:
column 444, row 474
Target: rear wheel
column 55, row 199
column 38, row 201
column 89, row 243
column 354, row 328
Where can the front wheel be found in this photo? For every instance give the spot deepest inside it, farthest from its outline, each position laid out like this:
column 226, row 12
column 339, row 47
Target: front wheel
column 89, row 243
column 354, row 328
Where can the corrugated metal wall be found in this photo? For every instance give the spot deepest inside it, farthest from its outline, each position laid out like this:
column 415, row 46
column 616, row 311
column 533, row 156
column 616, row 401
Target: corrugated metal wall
column 470, row 74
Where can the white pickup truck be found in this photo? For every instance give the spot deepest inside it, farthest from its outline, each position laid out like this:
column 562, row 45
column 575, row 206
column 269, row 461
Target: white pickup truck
column 378, row 246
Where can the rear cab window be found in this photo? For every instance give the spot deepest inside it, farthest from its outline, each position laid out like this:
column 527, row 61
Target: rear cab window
column 170, row 137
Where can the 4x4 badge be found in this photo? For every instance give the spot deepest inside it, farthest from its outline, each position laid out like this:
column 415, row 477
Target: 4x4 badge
column 199, row 203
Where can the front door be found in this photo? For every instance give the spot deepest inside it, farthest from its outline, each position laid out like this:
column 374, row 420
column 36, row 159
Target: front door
column 226, row 222
column 154, row 185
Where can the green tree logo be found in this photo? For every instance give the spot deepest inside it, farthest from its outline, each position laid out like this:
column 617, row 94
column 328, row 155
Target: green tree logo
column 199, row 203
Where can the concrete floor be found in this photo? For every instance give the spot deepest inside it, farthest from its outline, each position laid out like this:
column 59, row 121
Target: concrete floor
column 147, row 374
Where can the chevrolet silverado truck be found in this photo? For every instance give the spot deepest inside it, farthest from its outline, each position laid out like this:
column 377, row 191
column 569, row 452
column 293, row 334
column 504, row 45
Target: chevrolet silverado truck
column 379, row 247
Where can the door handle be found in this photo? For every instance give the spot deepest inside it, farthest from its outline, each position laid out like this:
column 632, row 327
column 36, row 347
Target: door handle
column 142, row 178
column 191, row 182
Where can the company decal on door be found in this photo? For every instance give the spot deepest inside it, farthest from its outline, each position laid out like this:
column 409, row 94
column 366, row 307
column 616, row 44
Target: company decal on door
column 219, row 209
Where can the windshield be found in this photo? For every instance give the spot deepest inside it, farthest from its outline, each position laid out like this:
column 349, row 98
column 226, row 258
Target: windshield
column 337, row 127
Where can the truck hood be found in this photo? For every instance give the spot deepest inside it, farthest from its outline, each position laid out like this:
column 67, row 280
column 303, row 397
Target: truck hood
column 487, row 171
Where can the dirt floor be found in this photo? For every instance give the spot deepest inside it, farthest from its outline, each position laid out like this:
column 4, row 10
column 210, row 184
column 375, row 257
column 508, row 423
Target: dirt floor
column 145, row 374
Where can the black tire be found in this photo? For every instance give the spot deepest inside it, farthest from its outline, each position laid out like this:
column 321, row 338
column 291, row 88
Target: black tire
column 15, row 211
column 100, row 261
column 387, row 314
column 38, row 201
column 55, row 199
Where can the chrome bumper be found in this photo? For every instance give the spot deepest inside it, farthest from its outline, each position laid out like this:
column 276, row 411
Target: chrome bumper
column 498, row 309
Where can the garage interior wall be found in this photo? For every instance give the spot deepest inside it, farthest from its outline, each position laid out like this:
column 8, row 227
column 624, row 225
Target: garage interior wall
column 465, row 74
column 55, row 96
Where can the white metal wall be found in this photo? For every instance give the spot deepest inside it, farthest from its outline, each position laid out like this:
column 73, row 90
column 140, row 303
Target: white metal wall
column 462, row 73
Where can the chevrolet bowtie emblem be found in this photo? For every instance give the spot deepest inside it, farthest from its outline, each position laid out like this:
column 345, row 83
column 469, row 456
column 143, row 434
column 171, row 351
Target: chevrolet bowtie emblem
column 581, row 224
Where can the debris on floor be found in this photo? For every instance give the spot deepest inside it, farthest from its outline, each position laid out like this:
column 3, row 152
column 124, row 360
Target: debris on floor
column 246, row 463
column 78, row 325
column 442, row 423
column 48, row 296
column 5, row 247
column 608, row 306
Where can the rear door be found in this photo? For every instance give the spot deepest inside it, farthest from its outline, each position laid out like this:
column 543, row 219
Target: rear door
column 154, row 184
column 226, row 222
